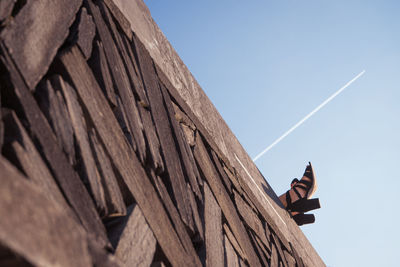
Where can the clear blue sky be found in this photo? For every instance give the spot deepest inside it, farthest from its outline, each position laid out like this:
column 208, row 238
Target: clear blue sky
column 267, row 64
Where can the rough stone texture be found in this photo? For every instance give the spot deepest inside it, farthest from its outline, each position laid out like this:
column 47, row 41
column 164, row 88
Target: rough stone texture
column 52, row 238
column 125, row 125
column 36, row 33
column 188, row 88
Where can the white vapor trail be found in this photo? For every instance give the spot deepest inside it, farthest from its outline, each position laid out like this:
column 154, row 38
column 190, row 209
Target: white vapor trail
column 308, row 116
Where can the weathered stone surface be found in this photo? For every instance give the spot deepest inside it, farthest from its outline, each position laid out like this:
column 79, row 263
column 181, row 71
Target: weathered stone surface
column 137, row 244
column 129, row 126
column 213, row 125
column 45, row 237
column 86, row 33
column 6, row 6
column 124, row 159
column 36, row 33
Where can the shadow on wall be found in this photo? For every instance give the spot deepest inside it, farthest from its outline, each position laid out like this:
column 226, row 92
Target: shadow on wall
column 273, row 196
column 268, row 190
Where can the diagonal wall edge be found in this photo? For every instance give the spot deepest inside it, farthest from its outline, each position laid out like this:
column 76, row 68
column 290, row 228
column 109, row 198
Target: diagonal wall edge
column 101, row 138
column 164, row 55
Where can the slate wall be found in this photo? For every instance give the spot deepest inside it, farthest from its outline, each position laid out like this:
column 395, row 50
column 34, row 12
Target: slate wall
column 104, row 163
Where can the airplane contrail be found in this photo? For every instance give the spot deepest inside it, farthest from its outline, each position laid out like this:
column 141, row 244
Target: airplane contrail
column 308, row 116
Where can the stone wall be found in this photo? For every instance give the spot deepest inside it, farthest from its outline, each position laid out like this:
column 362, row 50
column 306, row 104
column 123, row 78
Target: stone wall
column 107, row 158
